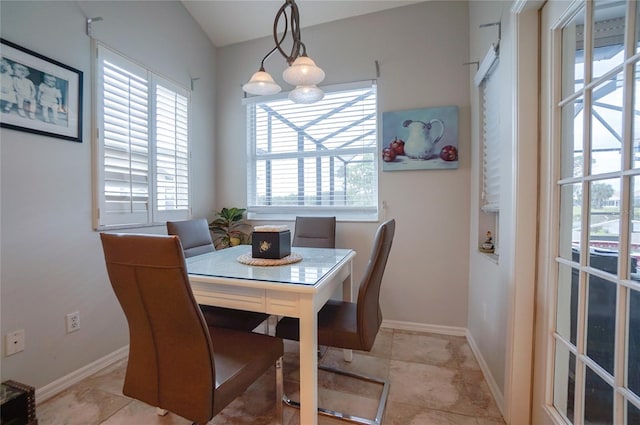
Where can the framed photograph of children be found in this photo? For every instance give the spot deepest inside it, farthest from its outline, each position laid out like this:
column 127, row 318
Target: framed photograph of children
column 420, row 139
column 39, row 95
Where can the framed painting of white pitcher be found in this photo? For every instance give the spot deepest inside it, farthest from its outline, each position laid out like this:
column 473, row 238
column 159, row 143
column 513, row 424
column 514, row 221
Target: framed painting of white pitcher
column 420, row 139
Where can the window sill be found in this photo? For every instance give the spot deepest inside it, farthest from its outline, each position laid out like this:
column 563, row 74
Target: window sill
column 491, row 256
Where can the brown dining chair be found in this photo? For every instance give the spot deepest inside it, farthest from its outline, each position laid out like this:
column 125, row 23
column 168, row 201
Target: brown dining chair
column 350, row 325
column 196, row 239
column 315, row 232
column 176, row 362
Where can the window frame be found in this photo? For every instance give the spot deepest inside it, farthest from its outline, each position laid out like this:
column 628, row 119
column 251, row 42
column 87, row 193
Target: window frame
column 368, row 213
column 153, row 216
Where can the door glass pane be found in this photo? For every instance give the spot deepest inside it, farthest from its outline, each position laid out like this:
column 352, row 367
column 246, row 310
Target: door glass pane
column 598, row 400
column 567, row 313
column 565, row 381
column 606, row 126
column 633, row 354
column 608, row 35
column 601, row 322
column 572, row 155
column 570, row 221
column 573, row 55
column 633, row 414
column 634, row 229
column 636, row 114
column 604, row 224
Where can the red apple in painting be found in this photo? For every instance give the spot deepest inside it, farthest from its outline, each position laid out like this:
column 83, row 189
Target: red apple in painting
column 398, row 146
column 449, row 153
column 388, row 155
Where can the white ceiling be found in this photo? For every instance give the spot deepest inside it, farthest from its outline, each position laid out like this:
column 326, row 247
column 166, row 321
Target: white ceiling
column 233, row 21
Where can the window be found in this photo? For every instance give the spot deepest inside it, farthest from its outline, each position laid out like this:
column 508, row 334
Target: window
column 314, row 159
column 488, row 79
column 143, row 144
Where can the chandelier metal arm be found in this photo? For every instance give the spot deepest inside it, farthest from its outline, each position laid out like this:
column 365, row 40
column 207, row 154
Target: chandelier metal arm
column 295, row 31
column 302, row 72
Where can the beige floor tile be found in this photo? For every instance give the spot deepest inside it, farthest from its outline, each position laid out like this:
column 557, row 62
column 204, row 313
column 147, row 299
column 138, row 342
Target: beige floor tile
column 366, row 365
column 439, row 350
column 435, row 379
column 423, row 385
column 406, row 414
column 79, row 406
column 109, row 379
column 351, row 404
column 137, row 412
column 490, row 421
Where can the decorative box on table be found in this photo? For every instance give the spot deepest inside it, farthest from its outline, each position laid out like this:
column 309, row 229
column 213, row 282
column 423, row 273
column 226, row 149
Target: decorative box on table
column 273, row 242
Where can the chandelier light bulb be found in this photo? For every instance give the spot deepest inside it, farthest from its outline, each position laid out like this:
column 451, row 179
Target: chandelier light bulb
column 261, row 83
column 306, row 94
column 303, row 72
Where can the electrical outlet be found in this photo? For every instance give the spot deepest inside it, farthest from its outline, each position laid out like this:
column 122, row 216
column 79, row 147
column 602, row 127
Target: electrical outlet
column 73, row 321
column 14, row 342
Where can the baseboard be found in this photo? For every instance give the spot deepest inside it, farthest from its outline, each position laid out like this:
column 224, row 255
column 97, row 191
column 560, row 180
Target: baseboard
column 76, row 376
column 421, row 327
column 493, row 387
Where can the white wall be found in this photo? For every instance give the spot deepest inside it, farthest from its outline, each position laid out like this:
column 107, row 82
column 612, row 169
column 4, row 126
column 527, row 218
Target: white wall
column 488, row 295
column 500, row 312
column 52, row 262
column 421, row 50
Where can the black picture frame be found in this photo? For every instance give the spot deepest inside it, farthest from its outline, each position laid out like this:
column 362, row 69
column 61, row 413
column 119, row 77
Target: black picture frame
column 39, row 95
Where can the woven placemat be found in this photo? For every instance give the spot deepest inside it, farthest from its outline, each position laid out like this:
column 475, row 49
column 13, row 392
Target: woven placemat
column 294, row 257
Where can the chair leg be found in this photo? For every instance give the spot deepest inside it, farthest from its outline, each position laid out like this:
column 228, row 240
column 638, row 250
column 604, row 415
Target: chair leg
column 279, row 390
column 347, row 417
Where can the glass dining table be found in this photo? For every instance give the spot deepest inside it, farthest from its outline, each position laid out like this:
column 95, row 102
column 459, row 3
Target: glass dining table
column 298, row 289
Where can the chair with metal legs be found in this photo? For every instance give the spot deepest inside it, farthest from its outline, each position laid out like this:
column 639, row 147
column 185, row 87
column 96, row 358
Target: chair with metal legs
column 195, row 238
column 176, row 362
column 350, row 325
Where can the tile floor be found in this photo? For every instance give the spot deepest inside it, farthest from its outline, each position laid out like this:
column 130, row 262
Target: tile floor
column 435, row 380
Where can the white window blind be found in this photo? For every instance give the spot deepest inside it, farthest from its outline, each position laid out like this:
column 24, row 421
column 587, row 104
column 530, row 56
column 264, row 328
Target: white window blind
column 489, row 80
column 314, row 159
column 142, row 136
column 172, row 149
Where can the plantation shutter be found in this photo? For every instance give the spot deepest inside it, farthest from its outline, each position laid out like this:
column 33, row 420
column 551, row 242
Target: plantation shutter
column 172, row 151
column 488, row 79
column 124, row 132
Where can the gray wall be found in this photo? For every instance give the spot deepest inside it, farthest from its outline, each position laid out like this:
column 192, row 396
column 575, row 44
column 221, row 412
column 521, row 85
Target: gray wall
column 52, row 261
column 421, row 50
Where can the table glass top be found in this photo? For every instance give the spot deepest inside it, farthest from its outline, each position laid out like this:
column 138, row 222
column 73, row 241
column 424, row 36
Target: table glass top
column 316, row 263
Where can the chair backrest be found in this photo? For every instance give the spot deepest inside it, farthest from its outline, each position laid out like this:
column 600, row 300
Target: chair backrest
column 315, row 232
column 171, row 363
column 369, row 314
column 194, row 235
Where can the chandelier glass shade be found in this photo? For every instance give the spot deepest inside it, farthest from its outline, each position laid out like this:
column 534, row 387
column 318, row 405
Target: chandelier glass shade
column 261, row 83
column 306, row 94
column 302, row 71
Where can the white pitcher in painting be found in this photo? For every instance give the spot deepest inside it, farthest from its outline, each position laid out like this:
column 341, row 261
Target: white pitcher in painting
column 421, row 143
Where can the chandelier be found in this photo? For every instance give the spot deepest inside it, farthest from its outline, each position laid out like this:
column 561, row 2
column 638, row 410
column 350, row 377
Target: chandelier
column 302, row 72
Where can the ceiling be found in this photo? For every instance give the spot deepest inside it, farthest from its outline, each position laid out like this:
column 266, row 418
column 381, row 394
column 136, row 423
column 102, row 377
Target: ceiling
column 232, row 21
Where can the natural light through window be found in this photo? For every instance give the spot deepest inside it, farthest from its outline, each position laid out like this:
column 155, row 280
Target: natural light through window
column 318, row 158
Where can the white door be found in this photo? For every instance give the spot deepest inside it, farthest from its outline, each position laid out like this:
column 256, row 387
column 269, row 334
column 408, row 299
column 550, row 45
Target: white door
column 587, row 360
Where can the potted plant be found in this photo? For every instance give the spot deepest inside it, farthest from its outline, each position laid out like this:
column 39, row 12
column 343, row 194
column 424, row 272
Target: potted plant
column 229, row 228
